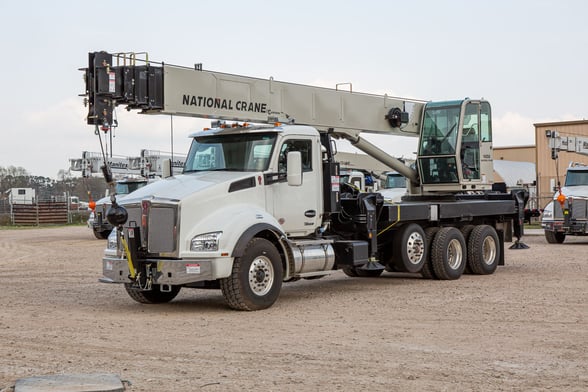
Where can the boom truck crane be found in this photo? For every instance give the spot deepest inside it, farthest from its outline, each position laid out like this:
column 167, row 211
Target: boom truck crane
column 259, row 205
column 567, row 213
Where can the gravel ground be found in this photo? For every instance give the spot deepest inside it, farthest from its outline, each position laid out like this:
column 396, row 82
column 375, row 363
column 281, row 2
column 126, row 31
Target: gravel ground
column 523, row 328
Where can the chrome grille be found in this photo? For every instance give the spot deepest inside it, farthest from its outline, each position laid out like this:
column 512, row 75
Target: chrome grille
column 161, row 234
column 579, row 209
column 162, row 229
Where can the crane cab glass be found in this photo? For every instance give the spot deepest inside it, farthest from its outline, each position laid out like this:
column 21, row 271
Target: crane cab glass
column 452, row 137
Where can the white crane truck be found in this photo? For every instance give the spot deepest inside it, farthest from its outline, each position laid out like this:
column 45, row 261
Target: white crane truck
column 259, row 205
column 567, row 213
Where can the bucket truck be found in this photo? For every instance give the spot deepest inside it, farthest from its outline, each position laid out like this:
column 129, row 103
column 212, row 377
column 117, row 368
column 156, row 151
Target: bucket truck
column 261, row 205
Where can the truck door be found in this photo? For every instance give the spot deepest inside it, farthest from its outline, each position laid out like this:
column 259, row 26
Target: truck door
column 297, row 208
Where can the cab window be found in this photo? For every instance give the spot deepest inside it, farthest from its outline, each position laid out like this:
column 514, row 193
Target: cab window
column 301, row 145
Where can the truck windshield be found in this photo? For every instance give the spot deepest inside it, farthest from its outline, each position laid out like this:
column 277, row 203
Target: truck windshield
column 124, row 188
column 395, row 181
column 438, row 161
column 576, row 177
column 230, row 152
column 439, row 135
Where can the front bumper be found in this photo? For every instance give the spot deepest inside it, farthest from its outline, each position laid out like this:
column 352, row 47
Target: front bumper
column 169, row 272
column 574, row 227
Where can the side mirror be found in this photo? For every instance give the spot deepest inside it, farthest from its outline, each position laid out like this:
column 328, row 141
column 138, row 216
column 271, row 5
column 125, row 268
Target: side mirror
column 166, row 169
column 294, row 171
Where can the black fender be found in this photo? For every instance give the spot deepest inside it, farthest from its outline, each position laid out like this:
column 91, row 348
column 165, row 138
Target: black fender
column 252, row 232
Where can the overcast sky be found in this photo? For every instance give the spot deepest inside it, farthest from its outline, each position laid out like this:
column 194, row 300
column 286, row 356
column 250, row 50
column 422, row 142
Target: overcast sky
column 527, row 57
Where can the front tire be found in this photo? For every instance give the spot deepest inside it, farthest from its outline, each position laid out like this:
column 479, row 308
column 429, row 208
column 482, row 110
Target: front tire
column 448, row 254
column 153, row 296
column 554, row 237
column 256, row 278
column 410, row 250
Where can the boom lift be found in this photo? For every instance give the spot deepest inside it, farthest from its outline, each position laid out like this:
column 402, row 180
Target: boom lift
column 567, row 213
column 260, row 205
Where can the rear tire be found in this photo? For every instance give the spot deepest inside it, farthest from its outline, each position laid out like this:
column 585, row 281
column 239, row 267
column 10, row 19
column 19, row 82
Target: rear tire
column 554, row 237
column 448, row 254
column 153, row 296
column 350, row 271
column 256, row 278
column 466, row 231
column 410, row 250
column 427, row 271
column 483, row 250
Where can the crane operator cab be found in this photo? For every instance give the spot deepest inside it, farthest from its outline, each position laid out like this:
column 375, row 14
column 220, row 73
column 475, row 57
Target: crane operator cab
column 455, row 146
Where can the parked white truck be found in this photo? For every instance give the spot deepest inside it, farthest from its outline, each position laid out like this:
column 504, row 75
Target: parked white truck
column 260, row 205
column 393, row 186
column 567, row 213
column 97, row 220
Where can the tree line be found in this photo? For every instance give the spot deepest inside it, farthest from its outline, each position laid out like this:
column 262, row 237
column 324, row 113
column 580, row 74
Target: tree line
column 46, row 188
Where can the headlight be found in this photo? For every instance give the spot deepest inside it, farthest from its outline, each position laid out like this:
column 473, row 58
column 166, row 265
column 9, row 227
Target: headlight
column 207, row 242
column 548, row 211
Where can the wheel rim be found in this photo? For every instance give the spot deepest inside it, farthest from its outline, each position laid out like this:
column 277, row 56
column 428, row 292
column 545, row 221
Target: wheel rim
column 415, row 248
column 454, row 254
column 489, row 250
column 261, row 275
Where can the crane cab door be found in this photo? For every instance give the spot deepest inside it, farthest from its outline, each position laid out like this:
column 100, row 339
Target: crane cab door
column 297, row 207
column 476, row 143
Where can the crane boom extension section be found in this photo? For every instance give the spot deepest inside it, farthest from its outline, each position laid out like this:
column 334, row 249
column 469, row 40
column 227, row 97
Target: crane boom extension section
column 232, row 97
column 169, row 89
column 260, row 205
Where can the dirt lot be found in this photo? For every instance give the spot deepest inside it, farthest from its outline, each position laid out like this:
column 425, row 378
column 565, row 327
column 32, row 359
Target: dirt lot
column 523, row 328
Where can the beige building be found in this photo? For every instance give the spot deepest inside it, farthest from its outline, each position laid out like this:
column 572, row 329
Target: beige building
column 540, row 155
column 517, row 153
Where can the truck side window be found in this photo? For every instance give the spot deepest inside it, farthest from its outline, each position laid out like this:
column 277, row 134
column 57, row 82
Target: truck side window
column 485, row 122
column 470, row 142
column 305, row 148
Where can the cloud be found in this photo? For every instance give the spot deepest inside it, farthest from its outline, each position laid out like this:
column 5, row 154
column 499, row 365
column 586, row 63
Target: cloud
column 513, row 129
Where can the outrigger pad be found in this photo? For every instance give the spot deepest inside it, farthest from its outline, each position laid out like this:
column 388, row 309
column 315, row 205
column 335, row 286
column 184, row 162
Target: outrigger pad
column 372, row 266
column 519, row 245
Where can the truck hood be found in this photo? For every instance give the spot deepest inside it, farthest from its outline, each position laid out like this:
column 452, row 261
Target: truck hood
column 393, row 194
column 180, row 187
column 573, row 191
